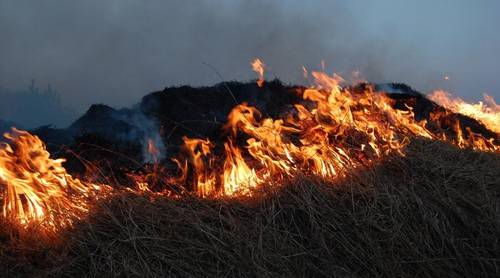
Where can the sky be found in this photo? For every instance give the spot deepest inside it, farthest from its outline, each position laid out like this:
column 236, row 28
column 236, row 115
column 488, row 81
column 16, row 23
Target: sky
column 116, row 51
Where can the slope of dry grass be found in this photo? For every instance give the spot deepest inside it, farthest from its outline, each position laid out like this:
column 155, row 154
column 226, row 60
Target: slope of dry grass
column 433, row 213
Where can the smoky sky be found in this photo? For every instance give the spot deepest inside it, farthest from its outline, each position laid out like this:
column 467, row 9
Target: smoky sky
column 116, row 51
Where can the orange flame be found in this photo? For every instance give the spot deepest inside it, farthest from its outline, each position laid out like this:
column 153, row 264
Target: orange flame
column 37, row 188
column 238, row 177
column 197, row 155
column 334, row 131
column 341, row 131
column 153, row 150
column 488, row 113
column 258, row 66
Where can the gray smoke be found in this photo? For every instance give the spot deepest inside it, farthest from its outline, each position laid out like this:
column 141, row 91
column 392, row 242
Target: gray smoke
column 115, row 51
column 150, row 131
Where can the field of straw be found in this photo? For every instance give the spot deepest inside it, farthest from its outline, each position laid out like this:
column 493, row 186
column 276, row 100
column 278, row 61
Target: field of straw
column 433, row 213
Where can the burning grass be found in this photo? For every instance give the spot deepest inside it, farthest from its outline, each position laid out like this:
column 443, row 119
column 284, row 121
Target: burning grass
column 334, row 130
column 346, row 183
column 433, row 213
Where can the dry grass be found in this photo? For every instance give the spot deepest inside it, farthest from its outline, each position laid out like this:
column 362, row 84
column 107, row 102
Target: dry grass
column 434, row 213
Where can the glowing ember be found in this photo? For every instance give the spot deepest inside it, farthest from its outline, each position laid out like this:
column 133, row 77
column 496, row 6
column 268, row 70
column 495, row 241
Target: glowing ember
column 258, row 66
column 487, row 112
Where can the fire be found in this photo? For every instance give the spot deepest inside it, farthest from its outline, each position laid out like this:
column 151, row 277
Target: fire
column 197, row 153
column 258, row 66
column 487, row 112
column 334, row 130
column 37, row 188
column 339, row 130
column 305, row 73
column 153, row 150
column 238, row 177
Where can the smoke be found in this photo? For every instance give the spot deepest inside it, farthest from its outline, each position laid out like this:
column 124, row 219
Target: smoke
column 150, row 136
column 116, row 51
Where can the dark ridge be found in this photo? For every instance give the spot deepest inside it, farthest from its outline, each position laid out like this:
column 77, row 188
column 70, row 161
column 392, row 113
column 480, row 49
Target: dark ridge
column 201, row 112
column 105, row 121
